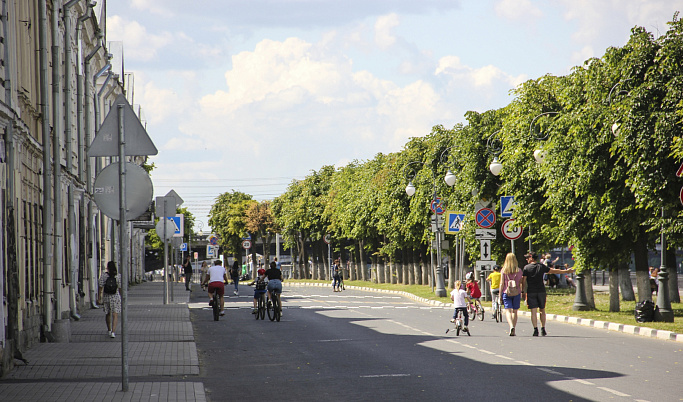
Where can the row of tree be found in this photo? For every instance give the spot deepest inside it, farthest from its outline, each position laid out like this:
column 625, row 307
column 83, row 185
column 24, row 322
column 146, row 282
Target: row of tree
column 608, row 135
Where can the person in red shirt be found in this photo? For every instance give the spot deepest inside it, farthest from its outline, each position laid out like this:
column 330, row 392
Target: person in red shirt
column 473, row 286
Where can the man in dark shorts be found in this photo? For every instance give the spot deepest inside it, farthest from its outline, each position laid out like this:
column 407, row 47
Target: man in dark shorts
column 532, row 276
column 216, row 278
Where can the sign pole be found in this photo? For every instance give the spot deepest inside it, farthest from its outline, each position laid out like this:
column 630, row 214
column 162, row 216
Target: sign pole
column 123, row 251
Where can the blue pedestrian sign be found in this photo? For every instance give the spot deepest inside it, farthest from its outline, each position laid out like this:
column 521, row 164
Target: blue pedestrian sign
column 176, row 223
column 183, row 247
column 455, row 222
column 507, row 206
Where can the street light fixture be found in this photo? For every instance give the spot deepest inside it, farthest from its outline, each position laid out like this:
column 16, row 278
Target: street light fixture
column 540, row 154
column 494, row 146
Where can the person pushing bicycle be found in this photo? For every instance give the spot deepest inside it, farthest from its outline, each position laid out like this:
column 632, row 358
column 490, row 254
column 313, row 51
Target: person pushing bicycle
column 260, row 282
column 216, row 278
column 274, row 276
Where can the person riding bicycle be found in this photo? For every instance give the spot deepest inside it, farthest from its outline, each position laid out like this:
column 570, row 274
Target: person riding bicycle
column 458, row 295
column 274, row 276
column 216, row 278
column 260, row 288
column 494, row 279
column 336, row 272
column 473, row 288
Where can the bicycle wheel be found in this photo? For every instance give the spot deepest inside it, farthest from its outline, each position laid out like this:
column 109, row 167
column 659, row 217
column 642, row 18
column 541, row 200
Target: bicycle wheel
column 216, row 306
column 262, row 310
column 471, row 310
column 258, row 307
column 457, row 329
column 277, row 307
column 496, row 311
column 270, row 308
column 500, row 314
column 480, row 312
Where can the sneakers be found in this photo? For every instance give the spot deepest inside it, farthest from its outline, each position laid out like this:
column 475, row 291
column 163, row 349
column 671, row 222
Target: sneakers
column 109, row 333
column 236, row 293
column 222, row 313
column 254, row 311
column 543, row 333
column 512, row 331
column 112, row 334
column 211, row 303
column 536, row 332
column 452, row 319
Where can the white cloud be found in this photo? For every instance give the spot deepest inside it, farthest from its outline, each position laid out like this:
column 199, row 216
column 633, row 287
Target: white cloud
column 384, row 25
column 517, row 9
column 486, row 76
column 153, row 6
column 139, row 44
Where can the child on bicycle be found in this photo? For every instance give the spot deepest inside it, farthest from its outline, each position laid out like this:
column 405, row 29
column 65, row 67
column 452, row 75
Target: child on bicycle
column 458, row 295
column 473, row 288
column 261, row 287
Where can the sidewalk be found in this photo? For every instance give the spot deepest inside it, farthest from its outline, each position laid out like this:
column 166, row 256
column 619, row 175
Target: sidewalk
column 162, row 356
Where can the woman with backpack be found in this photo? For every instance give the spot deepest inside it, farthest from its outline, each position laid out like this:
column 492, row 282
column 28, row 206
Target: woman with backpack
column 510, row 289
column 110, row 298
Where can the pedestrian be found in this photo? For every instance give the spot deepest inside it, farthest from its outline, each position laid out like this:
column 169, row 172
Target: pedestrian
column 187, row 270
column 336, row 284
column 235, row 272
column 202, row 273
column 109, row 296
column 510, row 286
column 535, row 289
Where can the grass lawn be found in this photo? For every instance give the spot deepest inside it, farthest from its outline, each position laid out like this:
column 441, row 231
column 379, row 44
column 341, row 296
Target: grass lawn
column 560, row 301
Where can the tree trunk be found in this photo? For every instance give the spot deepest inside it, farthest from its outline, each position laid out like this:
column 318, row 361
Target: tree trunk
column 417, row 271
column 411, row 267
column 451, row 273
column 590, row 299
column 642, row 269
column 671, row 268
column 614, row 290
column 625, row 283
column 381, row 274
column 363, row 264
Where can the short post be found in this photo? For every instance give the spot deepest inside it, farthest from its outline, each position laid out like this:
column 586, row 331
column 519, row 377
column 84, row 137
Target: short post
column 580, row 301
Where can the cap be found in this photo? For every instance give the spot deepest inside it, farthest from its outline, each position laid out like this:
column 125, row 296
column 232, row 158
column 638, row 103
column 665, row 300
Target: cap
column 261, row 271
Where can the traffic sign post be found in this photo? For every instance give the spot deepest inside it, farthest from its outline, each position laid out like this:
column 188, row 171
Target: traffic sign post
column 454, row 222
column 507, row 206
column 485, row 218
column 511, row 232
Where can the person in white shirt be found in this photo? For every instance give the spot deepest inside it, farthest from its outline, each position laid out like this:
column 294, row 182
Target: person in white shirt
column 458, row 295
column 217, row 277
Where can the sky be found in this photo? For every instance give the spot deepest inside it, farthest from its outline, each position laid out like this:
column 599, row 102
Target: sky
column 249, row 95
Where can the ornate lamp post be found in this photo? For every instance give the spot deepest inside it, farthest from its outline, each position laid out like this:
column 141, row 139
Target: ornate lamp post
column 410, row 172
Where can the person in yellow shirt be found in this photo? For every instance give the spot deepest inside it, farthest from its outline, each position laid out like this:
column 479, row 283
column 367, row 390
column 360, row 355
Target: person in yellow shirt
column 494, row 281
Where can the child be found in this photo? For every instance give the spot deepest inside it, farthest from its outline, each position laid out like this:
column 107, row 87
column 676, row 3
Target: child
column 473, row 287
column 458, row 295
column 260, row 288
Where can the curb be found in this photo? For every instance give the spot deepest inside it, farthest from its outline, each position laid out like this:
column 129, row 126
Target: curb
column 586, row 322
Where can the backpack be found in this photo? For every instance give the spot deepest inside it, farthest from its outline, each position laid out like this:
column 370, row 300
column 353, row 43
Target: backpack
column 110, row 285
column 512, row 289
column 261, row 285
column 235, row 271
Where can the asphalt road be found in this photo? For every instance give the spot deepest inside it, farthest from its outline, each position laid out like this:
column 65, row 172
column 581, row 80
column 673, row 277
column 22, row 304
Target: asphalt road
column 359, row 346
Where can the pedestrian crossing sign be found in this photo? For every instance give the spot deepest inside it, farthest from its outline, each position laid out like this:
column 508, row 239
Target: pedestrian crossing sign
column 455, row 221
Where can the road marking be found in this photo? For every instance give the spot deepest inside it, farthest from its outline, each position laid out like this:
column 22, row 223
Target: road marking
column 580, row 381
column 384, row 375
column 549, row 371
column 505, row 357
column 615, row 392
column 334, row 340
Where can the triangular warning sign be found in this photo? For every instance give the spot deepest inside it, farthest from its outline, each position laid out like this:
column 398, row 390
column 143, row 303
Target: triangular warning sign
column 106, row 142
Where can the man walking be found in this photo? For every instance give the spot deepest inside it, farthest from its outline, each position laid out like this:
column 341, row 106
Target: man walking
column 187, row 270
column 532, row 276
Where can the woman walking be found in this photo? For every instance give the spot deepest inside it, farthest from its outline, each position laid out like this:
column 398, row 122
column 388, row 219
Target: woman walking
column 109, row 287
column 510, row 289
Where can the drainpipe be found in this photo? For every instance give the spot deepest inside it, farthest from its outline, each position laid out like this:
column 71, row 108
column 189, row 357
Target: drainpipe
column 88, row 97
column 57, row 169
column 98, row 161
column 71, row 221
column 47, row 174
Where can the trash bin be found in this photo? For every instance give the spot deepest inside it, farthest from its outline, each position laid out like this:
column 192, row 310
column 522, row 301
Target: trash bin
column 645, row 311
column 484, row 285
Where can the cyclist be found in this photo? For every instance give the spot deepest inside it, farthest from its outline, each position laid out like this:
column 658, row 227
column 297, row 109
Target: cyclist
column 216, row 278
column 473, row 288
column 260, row 288
column 274, row 276
column 494, row 279
column 336, row 274
column 458, row 295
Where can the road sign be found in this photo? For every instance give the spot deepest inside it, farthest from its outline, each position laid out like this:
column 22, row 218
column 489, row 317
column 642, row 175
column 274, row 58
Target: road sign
column 510, row 231
column 436, row 218
column 680, row 195
column 160, row 230
column 455, row 221
column 485, row 218
column 507, row 206
column 106, row 141
column 485, row 234
column 484, row 265
column 679, row 172
column 212, row 251
column 196, row 255
column 327, row 238
column 138, row 191
column 246, row 244
column 178, row 225
column 485, row 249
column 213, row 239
column 183, row 247
column 436, row 206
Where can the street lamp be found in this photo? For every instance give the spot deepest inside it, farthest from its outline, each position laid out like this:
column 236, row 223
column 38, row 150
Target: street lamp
column 539, row 154
column 613, row 95
column 410, row 172
column 494, row 146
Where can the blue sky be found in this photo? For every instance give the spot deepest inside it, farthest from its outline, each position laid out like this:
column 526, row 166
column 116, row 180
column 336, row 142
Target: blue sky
column 249, row 95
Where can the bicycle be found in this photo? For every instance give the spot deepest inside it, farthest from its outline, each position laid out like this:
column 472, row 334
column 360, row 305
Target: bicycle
column 261, row 307
column 274, row 307
column 460, row 325
column 216, row 305
column 497, row 308
column 475, row 309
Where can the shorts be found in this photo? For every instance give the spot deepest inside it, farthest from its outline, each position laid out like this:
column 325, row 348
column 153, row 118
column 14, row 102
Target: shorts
column 259, row 292
column 275, row 285
column 217, row 287
column 511, row 302
column 535, row 300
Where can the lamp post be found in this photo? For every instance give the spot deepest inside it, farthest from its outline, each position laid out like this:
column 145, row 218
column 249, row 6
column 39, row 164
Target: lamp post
column 663, row 311
column 410, row 172
column 539, row 154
